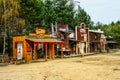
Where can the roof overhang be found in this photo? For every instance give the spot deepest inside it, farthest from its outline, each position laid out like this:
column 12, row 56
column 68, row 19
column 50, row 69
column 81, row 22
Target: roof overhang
column 44, row 40
column 96, row 31
column 73, row 40
column 111, row 42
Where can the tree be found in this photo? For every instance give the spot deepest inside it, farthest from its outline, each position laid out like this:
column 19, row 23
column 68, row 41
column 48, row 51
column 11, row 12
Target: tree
column 65, row 12
column 33, row 13
column 10, row 21
column 50, row 15
column 116, row 32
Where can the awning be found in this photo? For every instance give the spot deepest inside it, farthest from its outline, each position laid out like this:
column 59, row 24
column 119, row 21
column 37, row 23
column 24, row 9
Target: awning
column 113, row 42
column 73, row 40
column 44, row 40
column 65, row 33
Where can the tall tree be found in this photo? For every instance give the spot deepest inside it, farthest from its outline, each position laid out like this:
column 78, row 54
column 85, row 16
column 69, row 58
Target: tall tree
column 65, row 12
column 62, row 10
column 116, row 32
column 10, row 21
column 49, row 13
column 33, row 13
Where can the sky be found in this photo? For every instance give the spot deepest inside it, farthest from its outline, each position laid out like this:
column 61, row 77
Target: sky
column 104, row 11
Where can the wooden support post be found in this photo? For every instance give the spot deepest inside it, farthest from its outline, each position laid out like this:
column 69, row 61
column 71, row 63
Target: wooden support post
column 49, row 51
column 86, row 47
column 46, row 51
column 35, row 52
column 72, row 50
column 52, row 50
column 25, row 50
column 61, row 46
column 76, row 48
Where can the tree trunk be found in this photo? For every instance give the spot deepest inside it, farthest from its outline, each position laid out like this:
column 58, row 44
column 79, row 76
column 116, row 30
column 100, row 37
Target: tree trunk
column 4, row 31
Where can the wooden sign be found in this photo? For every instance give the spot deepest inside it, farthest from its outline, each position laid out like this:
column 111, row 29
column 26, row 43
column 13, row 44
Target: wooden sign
column 40, row 31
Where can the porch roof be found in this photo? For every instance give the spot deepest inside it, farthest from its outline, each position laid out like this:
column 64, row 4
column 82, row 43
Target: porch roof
column 65, row 33
column 111, row 42
column 74, row 40
column 44, row 40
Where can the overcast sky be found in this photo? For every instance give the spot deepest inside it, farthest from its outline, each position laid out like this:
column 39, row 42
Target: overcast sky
column 104, row 11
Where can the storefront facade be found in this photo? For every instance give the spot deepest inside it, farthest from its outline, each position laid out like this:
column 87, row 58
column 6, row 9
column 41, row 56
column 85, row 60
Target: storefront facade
column 36, row 45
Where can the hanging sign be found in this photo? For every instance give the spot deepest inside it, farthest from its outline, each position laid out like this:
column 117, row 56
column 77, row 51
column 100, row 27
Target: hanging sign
column 82, row 30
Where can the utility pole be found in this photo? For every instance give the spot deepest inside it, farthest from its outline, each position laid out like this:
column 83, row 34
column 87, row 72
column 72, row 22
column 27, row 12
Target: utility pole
column 4, row 6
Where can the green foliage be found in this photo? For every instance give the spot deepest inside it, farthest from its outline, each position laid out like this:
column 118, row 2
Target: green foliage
column 39, row 13
column 49, row 13
column 65, row 12
column 33, row 13
column 116, row 32
column 9, row 16
column 112, row 29
column 106, row 28
column 61, row 11
column 10, row 22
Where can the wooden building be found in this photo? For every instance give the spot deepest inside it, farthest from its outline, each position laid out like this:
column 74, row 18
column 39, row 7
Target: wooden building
column 95, row 40
column 35, row 45
column 82, row 34
column 67, row 35
column 62, row 34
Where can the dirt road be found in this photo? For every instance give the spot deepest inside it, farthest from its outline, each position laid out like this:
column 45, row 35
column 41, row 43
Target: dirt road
column 94, row 67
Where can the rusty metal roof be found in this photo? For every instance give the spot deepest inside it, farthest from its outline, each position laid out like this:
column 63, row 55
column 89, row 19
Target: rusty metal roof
column 44, row 40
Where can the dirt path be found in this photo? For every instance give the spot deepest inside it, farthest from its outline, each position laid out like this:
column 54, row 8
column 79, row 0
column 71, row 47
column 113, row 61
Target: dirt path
column 95, row 67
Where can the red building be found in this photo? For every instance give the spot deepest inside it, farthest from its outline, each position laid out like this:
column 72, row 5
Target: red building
column 82, row 34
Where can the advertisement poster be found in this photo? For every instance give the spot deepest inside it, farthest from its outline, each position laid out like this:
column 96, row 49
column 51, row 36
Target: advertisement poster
column 19, row 51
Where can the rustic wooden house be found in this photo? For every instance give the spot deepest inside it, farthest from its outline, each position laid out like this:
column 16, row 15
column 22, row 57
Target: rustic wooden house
column 35, row 45
column 62, row 34
column 82, row 34
column 95, row 40
column 67, row 35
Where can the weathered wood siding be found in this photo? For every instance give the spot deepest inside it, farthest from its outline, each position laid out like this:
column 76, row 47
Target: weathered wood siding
column 94, row 37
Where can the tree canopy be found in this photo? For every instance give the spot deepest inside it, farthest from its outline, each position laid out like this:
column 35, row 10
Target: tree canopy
column 44, row 12
column 10, row 22
column 116, row 32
